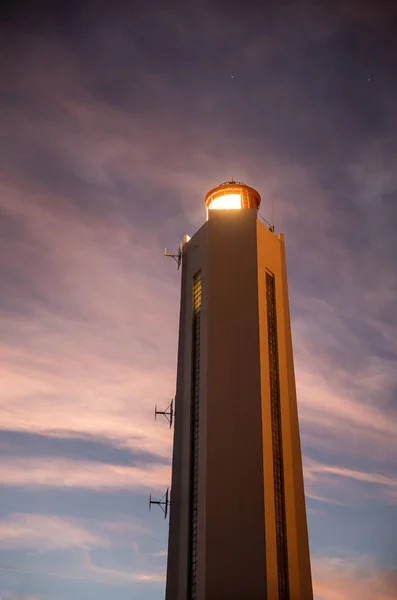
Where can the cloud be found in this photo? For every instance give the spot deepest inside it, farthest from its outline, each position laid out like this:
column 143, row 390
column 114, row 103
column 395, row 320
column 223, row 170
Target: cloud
column 57, row 472
column 376, row 478
column 338, row 485
column 45, row 532
column 110, row 145
column 76, row 447
column 8, row 595
column 35, row 533
column 80, row 333
column 333, row 420
column 345, row 578
column 49, row 532
column 313, row 496
column 346, row 380
column 118, row 575
column 97, row 575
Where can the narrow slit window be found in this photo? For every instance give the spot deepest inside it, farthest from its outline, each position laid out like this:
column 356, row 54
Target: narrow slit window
column 278, row 467
column 194, row 472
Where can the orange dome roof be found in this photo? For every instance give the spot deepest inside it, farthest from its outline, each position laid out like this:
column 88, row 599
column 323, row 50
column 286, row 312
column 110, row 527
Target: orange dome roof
column 250, row 198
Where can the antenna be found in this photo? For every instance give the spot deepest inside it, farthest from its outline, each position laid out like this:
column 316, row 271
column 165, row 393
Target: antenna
column 163, row 503
column 177, row 257
column 272, row 225
column 168, row 413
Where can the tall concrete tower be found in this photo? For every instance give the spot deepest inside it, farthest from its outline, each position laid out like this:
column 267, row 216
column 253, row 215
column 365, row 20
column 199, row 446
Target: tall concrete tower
column 238, row 526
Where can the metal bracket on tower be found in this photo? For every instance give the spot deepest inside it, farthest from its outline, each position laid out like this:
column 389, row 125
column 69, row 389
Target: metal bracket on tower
column 163, row 503
column 177, row 257
column 168, row 413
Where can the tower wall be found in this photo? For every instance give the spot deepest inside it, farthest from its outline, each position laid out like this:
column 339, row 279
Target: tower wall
column 271, row 257
column 234, row 496
column 178, row 567
column 232, row 550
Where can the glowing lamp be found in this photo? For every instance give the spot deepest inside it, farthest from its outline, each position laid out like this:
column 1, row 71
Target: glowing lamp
column 232, row 195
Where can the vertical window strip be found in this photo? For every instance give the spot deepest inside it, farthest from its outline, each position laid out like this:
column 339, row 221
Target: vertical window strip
column 195, row 432
column 279, row 494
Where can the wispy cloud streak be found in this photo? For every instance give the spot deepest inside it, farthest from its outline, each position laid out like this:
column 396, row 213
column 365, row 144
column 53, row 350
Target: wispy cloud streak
column 52, row 472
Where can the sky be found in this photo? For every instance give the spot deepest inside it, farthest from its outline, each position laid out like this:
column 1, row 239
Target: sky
column 115, row 120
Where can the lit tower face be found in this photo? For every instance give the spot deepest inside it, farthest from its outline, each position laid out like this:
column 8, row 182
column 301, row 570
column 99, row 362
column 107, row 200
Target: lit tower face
column 237, row 520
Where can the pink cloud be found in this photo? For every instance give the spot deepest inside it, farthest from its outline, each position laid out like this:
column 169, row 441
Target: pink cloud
column 99, row 365
column 94, row 357
column 101, row 351
column 347, row 578
column 90, row 572
column 59, row 472
column 46, row 532
column 342, row 419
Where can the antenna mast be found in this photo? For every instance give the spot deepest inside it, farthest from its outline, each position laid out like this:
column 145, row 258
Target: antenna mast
column 177, row 256
column 272, row 225
column 163, row 503
column 168, row 413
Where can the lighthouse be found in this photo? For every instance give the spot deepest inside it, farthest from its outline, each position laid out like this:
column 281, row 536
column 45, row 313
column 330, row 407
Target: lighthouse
column 238, row 528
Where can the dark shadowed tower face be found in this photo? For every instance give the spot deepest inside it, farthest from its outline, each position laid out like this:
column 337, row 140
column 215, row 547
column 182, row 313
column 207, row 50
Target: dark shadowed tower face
column 238, row 521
